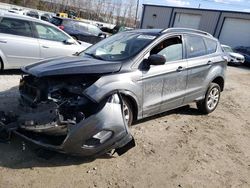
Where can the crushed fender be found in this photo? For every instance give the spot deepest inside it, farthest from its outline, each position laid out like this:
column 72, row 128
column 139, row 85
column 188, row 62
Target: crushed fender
column 92, row 135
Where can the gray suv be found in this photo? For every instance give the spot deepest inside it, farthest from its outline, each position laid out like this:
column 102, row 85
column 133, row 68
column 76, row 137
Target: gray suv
column 84, row 104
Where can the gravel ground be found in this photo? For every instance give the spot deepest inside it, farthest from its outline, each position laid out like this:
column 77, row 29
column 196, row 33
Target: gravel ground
column 180, row 148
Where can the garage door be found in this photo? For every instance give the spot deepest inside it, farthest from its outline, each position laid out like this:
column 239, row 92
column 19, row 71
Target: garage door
column 187, row 20
column 235, row 32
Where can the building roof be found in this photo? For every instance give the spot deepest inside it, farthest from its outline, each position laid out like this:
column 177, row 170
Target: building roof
column 192, row 8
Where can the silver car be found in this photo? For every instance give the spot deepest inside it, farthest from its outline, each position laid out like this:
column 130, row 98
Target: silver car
column 84, row 105
column 235, row 58
column 25, row 40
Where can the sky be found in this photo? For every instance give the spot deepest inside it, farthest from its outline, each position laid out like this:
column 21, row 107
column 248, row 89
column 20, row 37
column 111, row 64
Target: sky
column 234, row 5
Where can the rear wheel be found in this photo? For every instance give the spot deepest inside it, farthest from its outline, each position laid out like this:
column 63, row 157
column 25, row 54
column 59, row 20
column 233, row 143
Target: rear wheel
column 211, row 100
column 127, row 111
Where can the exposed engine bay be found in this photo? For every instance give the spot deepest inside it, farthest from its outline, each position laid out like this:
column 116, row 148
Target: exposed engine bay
column 55, row 113
column 55, row 104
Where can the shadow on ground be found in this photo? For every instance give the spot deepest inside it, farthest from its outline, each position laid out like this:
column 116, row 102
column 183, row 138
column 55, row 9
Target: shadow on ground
column 184, row 110
column 11, row 72
column 9, row 99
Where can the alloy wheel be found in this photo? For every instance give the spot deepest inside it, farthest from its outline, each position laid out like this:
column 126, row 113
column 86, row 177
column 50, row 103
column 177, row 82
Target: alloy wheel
column 213, row 98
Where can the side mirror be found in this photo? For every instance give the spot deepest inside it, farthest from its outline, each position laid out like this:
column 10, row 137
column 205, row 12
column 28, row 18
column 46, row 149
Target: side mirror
column 69, row 41
column 156, row 59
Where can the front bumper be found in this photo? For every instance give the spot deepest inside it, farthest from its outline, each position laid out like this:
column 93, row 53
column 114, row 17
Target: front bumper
column 236, row 61
column 79, row 139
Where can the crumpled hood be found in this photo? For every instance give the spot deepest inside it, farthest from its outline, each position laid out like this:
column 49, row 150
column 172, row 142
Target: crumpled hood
column 71, row 65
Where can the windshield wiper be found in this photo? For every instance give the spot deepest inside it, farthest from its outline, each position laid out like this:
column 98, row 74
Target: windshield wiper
column 94, row 56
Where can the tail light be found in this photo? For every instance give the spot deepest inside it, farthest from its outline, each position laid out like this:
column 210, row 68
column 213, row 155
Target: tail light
column 61, row 27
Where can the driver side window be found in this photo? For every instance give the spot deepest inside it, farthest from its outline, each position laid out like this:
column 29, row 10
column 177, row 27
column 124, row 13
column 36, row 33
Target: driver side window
column 170, row 48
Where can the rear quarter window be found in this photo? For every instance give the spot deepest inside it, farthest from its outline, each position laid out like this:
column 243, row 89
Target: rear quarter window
column 195, row 46
column 211, row 45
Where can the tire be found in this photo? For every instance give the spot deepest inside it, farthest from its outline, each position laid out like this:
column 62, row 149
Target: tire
column 128, row 111
column 211, row 100
column 1, row 64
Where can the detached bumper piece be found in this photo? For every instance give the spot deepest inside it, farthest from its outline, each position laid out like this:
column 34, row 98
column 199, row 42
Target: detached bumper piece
column 93, row 135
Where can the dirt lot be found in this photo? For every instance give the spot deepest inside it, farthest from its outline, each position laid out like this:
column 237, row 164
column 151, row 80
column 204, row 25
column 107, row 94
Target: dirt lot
column 181, row 148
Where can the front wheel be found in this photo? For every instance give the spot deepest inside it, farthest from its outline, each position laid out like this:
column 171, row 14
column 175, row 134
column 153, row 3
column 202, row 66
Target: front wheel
column 127, row 111
column 211, row 100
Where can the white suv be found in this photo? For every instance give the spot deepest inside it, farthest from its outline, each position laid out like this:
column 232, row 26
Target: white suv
column 25, row 40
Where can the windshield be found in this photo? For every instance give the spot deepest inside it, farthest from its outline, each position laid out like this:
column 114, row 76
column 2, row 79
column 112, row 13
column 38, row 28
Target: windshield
column 119, row 46
column 227, row 49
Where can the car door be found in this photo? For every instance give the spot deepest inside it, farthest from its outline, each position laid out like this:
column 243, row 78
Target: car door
column 199, row 64
column 53, row 42
column 152, row 84
column 17, row 42
column 175, row 80
column 164, row 85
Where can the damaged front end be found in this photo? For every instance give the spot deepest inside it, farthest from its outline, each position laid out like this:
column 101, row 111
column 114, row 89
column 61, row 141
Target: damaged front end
column 54, row 113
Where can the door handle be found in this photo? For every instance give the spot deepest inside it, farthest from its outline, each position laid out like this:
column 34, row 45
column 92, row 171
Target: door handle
column 180, row 68
column 45, row 46
column 3, row 41
column 209, row 62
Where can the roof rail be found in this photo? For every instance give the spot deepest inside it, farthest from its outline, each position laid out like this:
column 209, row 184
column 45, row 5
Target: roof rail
column 176, row 29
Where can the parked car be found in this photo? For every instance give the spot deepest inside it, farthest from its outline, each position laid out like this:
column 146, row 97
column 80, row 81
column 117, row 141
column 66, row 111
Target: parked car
column 116, row 29
column 83, row 105
column 32, row 13
column 62, row 15
column 16, row 10
column 25, row 40
column 79, row 30
column 245, row 51
column 234, row 58
column 46, row 17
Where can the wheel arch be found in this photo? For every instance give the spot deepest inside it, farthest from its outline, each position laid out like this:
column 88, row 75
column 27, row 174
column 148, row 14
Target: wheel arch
column 220, row 81
column 133, row 102
column 3, row 60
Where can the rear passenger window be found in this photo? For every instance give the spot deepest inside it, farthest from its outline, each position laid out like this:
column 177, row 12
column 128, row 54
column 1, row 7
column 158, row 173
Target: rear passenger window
column 195, row 46
column 15, row 27
column 211, row 45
